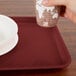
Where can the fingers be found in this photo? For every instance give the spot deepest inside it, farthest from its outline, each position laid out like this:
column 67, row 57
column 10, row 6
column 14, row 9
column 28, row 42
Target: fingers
column 54, row 2
column 70, row 15
column 62, row 4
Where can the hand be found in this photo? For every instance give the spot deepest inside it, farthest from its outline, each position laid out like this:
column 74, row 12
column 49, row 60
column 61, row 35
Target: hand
column 70, row 7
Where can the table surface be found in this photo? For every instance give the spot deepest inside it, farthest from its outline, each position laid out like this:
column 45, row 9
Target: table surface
column 66, row 28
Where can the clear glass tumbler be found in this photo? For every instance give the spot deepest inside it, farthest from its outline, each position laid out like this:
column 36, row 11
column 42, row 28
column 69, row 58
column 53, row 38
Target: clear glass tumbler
column 46, row 16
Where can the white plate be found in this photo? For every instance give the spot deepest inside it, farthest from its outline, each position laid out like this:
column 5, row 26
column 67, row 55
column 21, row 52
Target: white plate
column 9, row 46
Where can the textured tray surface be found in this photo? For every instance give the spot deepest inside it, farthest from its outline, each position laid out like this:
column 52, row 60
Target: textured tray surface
column 38, row 48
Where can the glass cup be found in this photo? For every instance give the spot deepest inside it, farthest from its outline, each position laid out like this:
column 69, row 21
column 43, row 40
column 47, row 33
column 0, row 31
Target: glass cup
column 46, row 16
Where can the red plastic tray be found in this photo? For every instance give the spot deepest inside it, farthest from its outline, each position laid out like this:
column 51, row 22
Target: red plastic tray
column 38, row 48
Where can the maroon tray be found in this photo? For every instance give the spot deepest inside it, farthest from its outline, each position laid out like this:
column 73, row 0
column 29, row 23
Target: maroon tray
column 38, row 48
